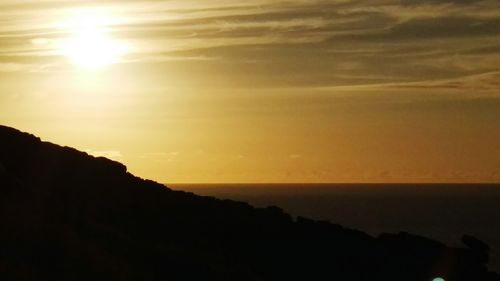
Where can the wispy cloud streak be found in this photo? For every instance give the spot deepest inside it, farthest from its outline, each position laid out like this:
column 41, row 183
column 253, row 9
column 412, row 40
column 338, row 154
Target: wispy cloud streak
column 367, row 41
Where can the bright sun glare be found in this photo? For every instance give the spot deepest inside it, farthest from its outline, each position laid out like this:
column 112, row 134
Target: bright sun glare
column 90, row 47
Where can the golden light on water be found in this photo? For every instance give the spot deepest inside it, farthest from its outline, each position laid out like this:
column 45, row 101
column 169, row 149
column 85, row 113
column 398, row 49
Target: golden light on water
column 89, row 45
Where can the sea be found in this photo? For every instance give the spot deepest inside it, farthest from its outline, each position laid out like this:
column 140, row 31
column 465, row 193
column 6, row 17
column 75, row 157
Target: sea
column 444, row 212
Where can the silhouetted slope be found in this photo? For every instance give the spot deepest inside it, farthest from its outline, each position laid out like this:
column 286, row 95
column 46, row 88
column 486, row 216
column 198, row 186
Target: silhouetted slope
column 66, row 215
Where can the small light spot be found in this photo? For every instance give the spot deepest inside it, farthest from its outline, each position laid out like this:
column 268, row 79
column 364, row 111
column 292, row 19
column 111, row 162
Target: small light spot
column 438, row 279
column 40, row 41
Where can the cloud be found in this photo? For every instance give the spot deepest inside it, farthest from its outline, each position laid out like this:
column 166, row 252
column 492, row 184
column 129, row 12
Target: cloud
column 422, row 2
column 482, row 82
column 477, row 85
column 111, row 154
column 419, row 29
column 13, row 67
column 263, row 43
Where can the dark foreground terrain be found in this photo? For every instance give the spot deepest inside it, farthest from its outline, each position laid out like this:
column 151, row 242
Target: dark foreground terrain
column 66, row 215
column 444, row 212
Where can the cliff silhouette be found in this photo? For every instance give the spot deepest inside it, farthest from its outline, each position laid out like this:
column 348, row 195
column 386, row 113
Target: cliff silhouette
column 66, row 215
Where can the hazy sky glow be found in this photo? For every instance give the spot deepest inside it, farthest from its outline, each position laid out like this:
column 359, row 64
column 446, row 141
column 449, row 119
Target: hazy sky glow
column 261, row 91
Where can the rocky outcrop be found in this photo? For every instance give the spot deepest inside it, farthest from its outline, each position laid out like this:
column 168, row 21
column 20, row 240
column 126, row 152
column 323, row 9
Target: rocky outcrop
column 67, row 215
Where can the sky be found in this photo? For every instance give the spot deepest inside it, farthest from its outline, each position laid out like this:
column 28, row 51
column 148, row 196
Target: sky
column 262, row 90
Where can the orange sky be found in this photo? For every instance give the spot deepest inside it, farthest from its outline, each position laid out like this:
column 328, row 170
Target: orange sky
column 262, row 91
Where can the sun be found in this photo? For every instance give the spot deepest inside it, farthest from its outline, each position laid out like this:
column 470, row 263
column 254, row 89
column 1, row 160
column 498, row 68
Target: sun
column 89, row 45
column 91, row 48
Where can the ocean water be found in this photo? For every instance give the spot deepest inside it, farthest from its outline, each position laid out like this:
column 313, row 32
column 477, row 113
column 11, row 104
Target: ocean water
column 443, row 212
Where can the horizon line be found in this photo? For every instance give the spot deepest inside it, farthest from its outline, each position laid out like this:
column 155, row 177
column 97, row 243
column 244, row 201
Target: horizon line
column 333, row 183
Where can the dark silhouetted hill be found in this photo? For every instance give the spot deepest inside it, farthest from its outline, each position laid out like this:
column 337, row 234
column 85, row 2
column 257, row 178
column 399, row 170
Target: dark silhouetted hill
column 66, row 215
